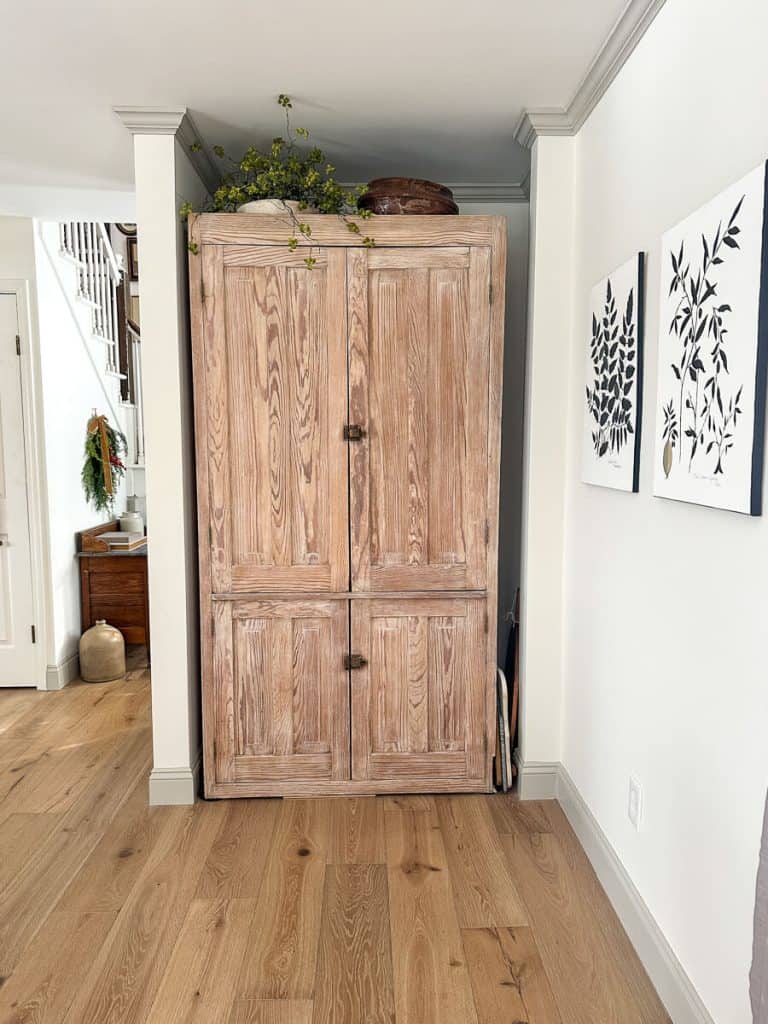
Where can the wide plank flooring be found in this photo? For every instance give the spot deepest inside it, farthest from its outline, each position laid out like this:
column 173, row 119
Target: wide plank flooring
column 398, row 910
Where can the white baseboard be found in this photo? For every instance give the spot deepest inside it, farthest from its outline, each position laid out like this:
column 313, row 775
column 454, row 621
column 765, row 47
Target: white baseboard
column 168, row 786
column 58, row 676
column 536, row 780
column 682, row 1001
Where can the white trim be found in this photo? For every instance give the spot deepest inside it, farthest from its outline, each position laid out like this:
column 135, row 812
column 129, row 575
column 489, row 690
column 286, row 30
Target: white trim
column 174, row 786
column 682, row 1001
column 610, row 59
column 502, row 192
column 34, row 456
column 674, row 987
column 59, row 676
column 480, row 192
column 536, row 780
column 173, row 121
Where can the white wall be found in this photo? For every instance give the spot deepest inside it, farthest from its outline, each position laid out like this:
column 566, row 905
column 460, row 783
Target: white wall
column 510, row 496
column 73, row 385
column 665, row 603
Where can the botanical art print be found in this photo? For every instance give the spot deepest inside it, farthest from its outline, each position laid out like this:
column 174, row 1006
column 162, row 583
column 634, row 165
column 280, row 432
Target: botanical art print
column 614, row 379
column 713, row 345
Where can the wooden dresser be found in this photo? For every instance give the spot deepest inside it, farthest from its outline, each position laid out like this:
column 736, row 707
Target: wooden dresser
column 113, row 586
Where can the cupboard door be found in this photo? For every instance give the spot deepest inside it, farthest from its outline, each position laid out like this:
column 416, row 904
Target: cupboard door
column 275, row 357
column 420, row 704
column 278, row 710
column 419, row 354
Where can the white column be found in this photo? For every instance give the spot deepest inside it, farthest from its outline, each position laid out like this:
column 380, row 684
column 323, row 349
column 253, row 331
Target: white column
column 164, row 178
column 544, row 460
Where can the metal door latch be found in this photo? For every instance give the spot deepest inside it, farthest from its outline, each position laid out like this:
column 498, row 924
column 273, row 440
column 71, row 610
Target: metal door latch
column 354, row 432
column 354, row 661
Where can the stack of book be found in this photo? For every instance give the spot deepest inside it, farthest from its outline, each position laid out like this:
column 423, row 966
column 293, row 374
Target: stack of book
column 121, row 541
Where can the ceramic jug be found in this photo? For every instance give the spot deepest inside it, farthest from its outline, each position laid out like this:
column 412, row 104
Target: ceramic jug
column 102, row 653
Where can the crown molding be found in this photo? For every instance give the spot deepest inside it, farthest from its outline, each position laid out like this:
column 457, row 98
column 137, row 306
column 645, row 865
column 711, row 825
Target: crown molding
column 611, row 58
column 501, row 192
column 472, row 192
column 175, row 121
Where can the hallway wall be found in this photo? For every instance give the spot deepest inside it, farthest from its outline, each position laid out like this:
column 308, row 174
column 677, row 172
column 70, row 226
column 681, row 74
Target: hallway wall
column 666, row 603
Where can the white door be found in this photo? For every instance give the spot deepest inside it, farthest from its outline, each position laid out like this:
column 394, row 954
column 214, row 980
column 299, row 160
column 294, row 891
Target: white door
column 17, row 650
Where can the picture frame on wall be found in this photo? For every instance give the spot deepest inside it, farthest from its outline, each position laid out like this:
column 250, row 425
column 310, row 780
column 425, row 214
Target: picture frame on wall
column 132, row 250
column 613, row 410
column 713, row 352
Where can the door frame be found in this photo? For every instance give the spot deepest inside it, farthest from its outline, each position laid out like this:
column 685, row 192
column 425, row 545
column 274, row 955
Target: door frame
column 34, row 460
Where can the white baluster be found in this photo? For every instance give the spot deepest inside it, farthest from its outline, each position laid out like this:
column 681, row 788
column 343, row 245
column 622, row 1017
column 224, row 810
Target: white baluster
column 91, row 262
column 102, row 303
column 79, row 256
column 98, row 327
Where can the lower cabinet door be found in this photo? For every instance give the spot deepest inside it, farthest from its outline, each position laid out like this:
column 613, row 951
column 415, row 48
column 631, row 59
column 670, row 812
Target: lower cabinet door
column 421, row 701
column 278, row 709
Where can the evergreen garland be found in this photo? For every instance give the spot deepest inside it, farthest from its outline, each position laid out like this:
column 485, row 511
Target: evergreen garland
column 94, row 484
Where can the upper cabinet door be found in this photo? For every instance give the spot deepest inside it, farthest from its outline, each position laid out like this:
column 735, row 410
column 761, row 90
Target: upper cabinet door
column 275, row 394
column 419, row 352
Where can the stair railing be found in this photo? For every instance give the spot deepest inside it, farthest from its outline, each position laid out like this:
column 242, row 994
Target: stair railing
column 87, row 245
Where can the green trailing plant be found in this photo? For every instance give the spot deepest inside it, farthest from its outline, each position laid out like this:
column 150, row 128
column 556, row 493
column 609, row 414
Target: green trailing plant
column 102, row 442
column 287, row 170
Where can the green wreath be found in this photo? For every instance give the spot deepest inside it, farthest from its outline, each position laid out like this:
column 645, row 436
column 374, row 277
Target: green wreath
column 103, row 468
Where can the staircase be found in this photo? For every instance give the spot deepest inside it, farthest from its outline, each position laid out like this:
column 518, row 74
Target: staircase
column 101, row 288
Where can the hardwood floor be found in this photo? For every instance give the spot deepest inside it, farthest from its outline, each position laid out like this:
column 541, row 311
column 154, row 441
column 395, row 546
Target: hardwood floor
column 414, row 910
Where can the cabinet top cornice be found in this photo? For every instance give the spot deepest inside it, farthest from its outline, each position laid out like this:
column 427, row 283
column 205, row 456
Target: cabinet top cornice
column 330, row 230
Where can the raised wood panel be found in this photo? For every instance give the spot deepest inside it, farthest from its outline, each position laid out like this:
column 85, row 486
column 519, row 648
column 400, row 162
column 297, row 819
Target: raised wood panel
column 275, row 365
column 280, row 707
column 419, row 356
column 418, row 704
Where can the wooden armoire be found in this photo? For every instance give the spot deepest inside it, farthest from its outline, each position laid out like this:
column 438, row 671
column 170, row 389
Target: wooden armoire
column 348, row 431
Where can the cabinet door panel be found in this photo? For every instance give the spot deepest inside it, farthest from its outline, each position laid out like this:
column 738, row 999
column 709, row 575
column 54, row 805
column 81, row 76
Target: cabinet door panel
column 419, row 705
column 419, row 350
column 275, row 390
column 280, row 704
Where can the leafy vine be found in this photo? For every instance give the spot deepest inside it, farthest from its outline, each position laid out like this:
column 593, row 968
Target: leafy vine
column 286, row 172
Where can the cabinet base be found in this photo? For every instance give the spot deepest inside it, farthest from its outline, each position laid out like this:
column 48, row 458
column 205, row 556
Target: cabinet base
column 227, row 790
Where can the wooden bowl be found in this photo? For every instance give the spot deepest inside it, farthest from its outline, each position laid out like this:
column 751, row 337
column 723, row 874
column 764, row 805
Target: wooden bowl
column 407, row 196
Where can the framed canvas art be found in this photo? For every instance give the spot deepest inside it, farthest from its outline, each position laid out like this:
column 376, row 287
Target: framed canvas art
column 713, row 346
column 614, row 375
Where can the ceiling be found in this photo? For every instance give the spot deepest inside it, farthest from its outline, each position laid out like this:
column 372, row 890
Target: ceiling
column 412, row 87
